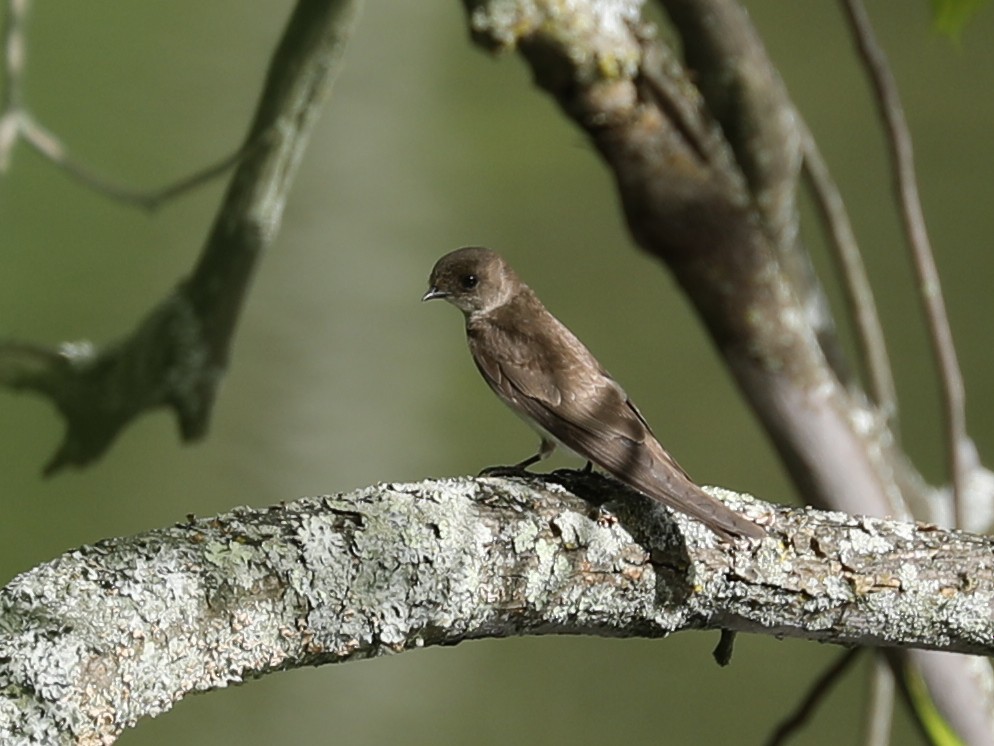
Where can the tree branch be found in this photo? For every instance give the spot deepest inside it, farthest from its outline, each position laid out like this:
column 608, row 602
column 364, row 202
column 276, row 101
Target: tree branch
column 962, row 456
column 17, row 124
column 804, row 711
column 177, row 355
column 860, row 303
column 111, row 633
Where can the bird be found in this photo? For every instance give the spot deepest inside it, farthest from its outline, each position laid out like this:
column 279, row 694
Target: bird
column 547, row 376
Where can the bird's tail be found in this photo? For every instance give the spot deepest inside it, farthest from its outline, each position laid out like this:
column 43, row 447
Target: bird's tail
column 661, row 478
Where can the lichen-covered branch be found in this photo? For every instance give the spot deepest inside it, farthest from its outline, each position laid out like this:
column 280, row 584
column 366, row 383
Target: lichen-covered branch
column 108, row 634
column 177, row 355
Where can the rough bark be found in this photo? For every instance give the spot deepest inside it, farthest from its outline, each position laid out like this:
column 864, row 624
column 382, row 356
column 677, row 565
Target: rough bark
column 105, row 635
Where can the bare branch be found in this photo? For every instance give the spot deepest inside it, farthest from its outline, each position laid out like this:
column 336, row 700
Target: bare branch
column 815, row 696
column 746, row 96
column 48, row 145
column 16, row 123
column 879, row 714
column 177, row 355
column 959, row 447
column 958, row 689
column 13, row 69
column 858, row 292
column 108, row 634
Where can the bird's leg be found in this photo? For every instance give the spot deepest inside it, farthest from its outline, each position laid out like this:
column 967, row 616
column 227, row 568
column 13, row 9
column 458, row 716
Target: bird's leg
column 545, row 450
column 521, row 468
column 523, row 465
column 567, row 474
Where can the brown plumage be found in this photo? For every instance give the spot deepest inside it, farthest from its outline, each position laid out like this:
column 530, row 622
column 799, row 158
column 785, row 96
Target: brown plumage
column 546, row 375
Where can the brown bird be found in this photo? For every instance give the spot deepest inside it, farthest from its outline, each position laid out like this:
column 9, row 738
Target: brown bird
column 548, row 377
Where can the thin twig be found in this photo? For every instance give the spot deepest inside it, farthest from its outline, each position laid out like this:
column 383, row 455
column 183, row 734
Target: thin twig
column 176, row 356
column 879, row 713
column 722, row 653
column 16, row 124
column 814, row 697
column 13, row 49
column 13, row 66
column 913, row 223
column 859, row 294
column 48, row 145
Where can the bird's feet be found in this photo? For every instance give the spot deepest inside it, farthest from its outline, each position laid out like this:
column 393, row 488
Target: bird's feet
column 587, row 469
column 515, row 470
column 519, row 469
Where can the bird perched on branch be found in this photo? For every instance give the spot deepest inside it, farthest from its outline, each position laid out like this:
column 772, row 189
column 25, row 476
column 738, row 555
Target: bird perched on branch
column 548, row 377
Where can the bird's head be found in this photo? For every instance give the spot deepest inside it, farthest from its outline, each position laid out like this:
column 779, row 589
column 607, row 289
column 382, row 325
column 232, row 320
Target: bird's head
column 473, row 279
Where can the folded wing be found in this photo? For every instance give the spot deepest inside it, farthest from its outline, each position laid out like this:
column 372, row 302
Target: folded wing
column 566, row 392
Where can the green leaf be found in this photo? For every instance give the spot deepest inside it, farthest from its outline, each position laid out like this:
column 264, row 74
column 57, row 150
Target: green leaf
column 951, row 16
column 938, row 730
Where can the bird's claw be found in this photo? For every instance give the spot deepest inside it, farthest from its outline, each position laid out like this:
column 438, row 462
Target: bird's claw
column 515, row 470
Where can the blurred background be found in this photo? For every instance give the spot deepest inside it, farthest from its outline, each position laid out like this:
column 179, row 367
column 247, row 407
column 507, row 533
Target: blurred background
column 341, row 378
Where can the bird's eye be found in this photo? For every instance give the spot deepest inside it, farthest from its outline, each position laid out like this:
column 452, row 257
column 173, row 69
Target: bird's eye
column 469, row 281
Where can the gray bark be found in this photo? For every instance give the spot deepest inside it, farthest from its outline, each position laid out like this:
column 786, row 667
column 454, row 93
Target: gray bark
column 105, row 635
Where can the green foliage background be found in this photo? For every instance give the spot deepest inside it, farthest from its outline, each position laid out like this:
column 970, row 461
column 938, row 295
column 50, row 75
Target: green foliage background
column 341, row 378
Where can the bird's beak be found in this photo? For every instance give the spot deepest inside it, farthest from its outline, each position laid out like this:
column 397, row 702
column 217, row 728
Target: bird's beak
column 433, row 292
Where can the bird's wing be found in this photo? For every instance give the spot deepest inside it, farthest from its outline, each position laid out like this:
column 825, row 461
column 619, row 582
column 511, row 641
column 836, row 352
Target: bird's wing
column 567, row 393
column 565, row 390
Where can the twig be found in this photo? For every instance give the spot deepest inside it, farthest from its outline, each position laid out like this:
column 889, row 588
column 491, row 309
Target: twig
column 722, row 652
column 13, row 67
column 913, row 223
column 880, row 703
column 49, row 146
column 815, row 696
column 17, row 123
column 177, row 355
column 859, row 294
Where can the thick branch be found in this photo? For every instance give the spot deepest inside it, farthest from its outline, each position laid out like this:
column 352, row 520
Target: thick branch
column 177, row 355
column 108, row 634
